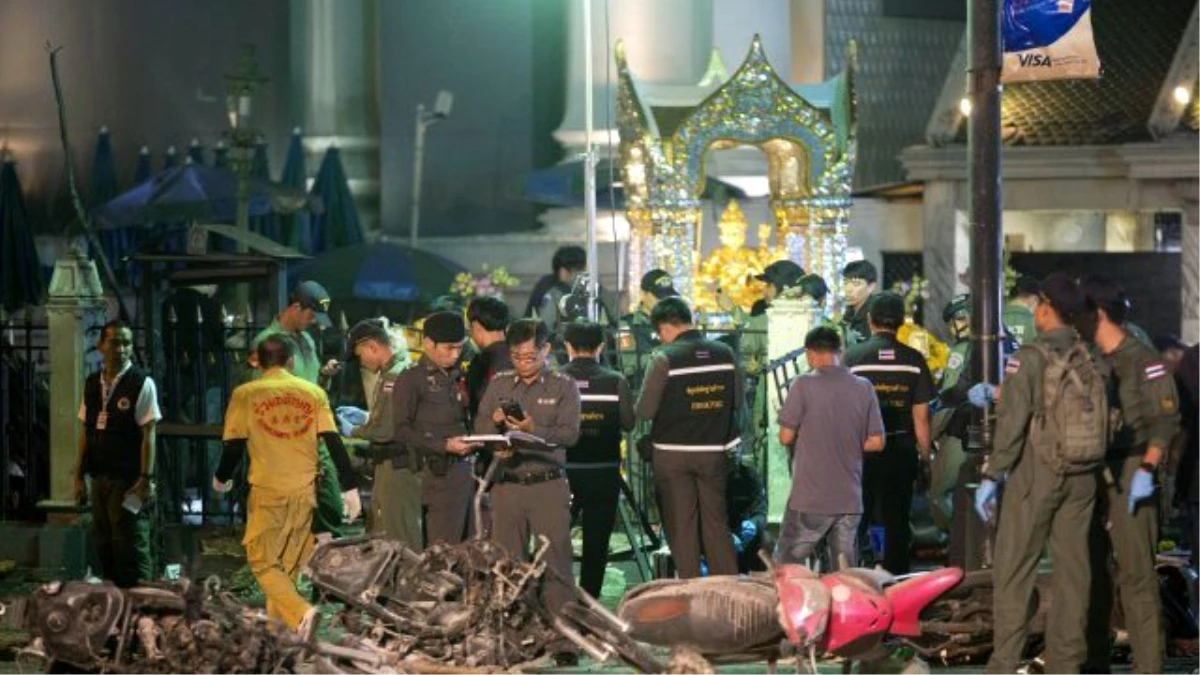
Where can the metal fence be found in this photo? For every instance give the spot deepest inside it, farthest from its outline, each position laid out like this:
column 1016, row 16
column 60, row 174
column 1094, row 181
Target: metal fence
column 24, row 413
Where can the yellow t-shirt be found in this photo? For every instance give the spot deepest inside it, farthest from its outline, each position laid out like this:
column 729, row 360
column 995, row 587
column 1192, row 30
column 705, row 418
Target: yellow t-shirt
column 280, row 416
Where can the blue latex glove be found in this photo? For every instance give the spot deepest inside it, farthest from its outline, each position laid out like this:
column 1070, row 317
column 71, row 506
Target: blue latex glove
column 352, row 415
column 1141, row 487
column 738, row 546
column 981, row 394
column 748, row 530
column 985, row 500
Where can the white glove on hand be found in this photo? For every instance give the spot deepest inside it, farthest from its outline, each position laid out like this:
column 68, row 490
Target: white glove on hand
column 220, row 487
column 353, row 505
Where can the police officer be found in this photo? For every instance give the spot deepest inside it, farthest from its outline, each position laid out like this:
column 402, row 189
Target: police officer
column 430, row 414
column 693, row 392
column 119, row 412
column 1042, row 506
column 637, row 336
column 531, row 496
column 1142, row 389
column 1018, row 313
column 594, row 462
column 746, row 500
column 779, row 276
column 396, row 494
column 308, row 304
column 905, row 388
column 859, row 280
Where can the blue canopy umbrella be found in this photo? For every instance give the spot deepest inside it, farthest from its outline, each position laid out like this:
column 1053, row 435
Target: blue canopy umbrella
column 338, row 226
column 21, row 282
column 102, row 187
column 196, row 152
column 296, row 228
column 195, row 192
column 221, row 156
column 260, row 169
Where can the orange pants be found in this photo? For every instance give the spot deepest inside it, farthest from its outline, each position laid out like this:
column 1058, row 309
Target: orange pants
column 278, row 543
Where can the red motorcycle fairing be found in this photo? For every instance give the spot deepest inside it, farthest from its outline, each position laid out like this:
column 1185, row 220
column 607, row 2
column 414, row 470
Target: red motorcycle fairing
column 714, row 615
column 860, row 614
column 803, row 604
column 909, row 597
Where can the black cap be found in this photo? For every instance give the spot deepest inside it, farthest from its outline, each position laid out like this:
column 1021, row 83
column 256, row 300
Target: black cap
column 658, row 283
column 781, row 274
column 311, row 295
column 1064, row 296
column 959, row 306
column 886, row 307
column 367, row 329
column 1026, row 286
column 445, row 328
column 813, row 286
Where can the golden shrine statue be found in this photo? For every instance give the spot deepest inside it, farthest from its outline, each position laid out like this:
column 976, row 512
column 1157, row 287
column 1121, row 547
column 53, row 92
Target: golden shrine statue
column 732, row 267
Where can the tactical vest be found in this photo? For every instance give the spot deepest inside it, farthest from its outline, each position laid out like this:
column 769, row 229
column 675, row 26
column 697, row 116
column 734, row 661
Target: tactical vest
column 696, row 413
column 115, row 450
column 599, row 423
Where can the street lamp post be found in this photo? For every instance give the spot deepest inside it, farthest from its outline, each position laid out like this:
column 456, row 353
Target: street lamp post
column 241, row 86
column 441, row 110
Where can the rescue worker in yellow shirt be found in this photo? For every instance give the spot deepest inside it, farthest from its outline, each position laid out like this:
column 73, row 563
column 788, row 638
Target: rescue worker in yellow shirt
column 279, row 418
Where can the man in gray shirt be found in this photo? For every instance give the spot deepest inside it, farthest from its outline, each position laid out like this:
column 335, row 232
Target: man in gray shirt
column 829, row 419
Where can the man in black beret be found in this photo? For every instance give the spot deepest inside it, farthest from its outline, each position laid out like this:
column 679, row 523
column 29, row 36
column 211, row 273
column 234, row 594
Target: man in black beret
column 430, row 413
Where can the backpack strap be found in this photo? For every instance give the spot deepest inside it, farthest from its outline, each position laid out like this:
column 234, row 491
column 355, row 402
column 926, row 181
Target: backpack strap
column 1040, row 408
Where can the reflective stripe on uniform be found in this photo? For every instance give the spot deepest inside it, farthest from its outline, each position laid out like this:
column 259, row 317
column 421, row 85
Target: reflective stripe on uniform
column 593, row 465
column 697, row 448
column 699, row 369
column 874, row 368
column 599, row 397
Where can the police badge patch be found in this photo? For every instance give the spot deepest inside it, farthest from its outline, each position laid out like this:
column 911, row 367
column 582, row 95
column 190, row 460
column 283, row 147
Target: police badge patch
column 123, row 403
column 955, row 361
column 1155, row 370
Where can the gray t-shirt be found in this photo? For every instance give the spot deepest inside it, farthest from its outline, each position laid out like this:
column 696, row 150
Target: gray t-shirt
column 833, row 411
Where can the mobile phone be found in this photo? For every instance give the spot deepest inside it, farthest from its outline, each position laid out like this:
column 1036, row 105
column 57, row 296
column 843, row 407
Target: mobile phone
column 512, row 409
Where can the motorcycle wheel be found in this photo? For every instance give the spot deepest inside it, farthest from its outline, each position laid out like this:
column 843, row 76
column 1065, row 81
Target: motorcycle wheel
column 631, row 651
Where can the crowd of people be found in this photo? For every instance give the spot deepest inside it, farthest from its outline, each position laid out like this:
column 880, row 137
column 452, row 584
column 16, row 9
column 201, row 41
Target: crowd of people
column 1085, row 422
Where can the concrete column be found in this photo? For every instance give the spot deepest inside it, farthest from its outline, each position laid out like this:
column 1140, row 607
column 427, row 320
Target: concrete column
column 76, row 303
column 946, row 249
column 666, row 42
column 334, row 74
column 1189, row 279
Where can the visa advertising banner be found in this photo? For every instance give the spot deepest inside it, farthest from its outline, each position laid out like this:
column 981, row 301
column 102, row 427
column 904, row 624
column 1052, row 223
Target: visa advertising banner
column 1048, row 40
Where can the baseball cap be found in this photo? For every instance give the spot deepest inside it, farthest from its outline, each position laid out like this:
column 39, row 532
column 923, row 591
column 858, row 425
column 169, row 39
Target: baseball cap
column 658, row 283
column 959, row 306
column 781, row 273
column 1064, row 296
column 813, row 286
column 312, row 295
column 886, row 305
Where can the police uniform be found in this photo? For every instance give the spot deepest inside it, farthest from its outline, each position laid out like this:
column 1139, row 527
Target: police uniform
column 306, row 365
column 594, row 462
column 396, row 493
column 531, row 496
column 901, row 379
column 1041, row 508
column 113, row 416
column 430, row 406
column 693, row 392
column 1142, row 389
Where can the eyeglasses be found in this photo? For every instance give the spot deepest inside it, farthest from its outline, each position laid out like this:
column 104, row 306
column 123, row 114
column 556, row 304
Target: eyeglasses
column 525, row 357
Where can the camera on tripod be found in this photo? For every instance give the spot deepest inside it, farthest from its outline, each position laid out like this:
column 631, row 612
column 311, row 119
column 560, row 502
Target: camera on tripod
column 574, row 305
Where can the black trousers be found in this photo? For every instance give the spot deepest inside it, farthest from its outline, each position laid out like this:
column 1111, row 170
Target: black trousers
column 594, row 495
column 122, row 538
column 888, row 479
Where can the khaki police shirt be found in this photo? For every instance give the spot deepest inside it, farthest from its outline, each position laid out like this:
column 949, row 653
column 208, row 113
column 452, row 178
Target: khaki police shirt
column 1140, row 385
column 380, row 427
column 429, row 405
column 551, row 399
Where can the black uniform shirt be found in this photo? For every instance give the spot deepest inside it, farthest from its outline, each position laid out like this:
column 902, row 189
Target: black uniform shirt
column 901, row 379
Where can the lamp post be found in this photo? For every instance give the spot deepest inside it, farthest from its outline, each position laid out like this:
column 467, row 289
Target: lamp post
column 241, row 86
column 425, row 118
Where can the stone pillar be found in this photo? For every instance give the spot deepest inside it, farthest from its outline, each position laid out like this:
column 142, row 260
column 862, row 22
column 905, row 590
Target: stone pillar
column 1189, row 259
column 334, row 75
column 788, row 321
column 76, row 303
column 945, row 252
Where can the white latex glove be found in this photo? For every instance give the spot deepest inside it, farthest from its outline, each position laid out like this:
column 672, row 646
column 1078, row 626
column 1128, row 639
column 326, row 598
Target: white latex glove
column 218, row 486
column 353, row 505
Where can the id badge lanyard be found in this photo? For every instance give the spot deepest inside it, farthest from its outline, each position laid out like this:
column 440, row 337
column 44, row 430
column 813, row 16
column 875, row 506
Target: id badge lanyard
column 106, row 393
